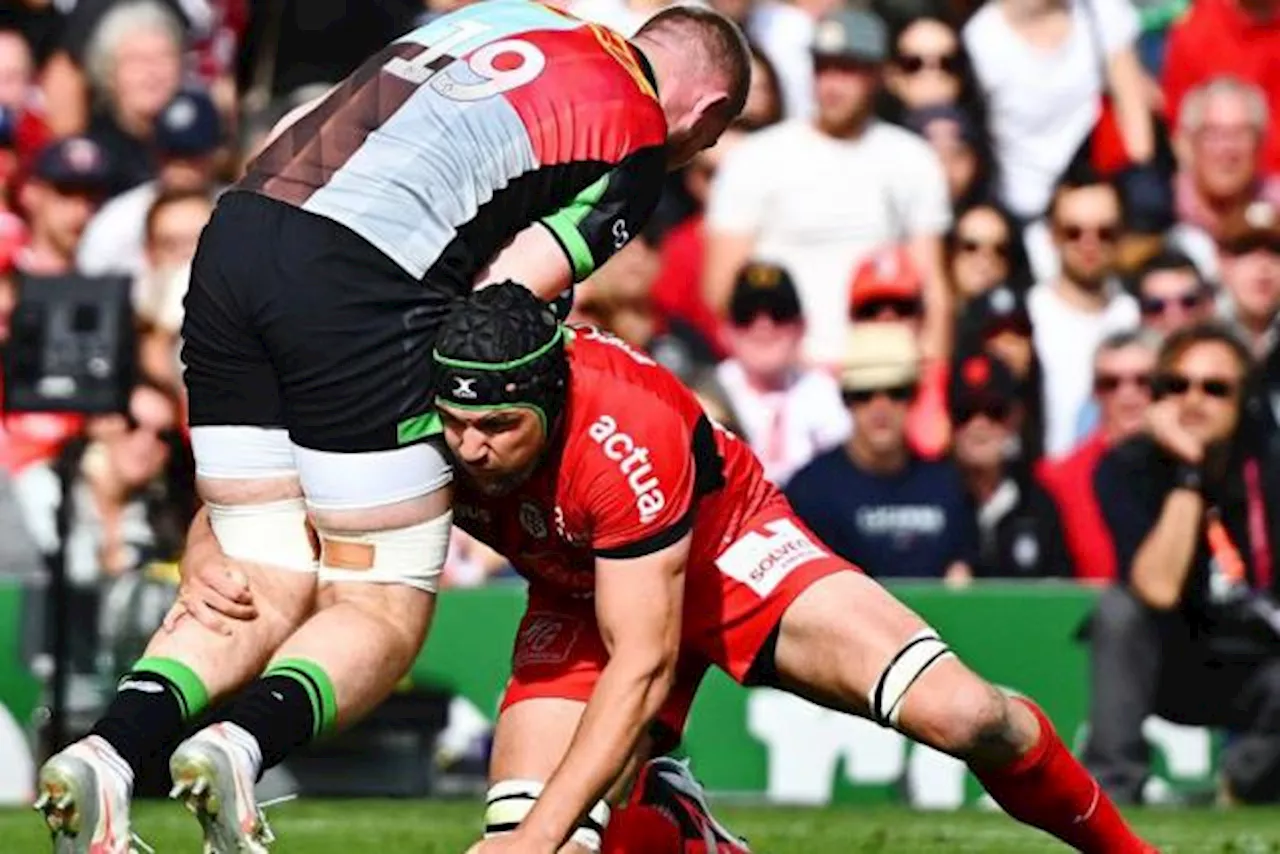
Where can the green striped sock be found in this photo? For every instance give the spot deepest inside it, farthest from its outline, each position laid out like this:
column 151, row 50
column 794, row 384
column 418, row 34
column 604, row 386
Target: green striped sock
column 187, row 687
column 319, row 688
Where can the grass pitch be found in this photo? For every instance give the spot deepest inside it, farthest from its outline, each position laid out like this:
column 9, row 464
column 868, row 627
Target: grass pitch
column 432, row 827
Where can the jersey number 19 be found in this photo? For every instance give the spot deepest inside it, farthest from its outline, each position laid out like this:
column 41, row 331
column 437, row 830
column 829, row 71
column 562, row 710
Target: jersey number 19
column 522, row 62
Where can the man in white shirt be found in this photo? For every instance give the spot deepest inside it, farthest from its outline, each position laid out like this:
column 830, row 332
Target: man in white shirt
column 818, row 196
column 1073, row 312
column 188, row 134
column 789, row 414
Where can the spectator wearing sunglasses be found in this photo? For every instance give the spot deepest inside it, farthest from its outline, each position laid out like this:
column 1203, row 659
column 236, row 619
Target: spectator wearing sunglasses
column 1122, row 369
column 984, row 249
column 1171, row 293
column 887, row 288
column 1190, row 632
column 1249, row 262
column 1019, row 534
column 1072, row 312
column 788, row 413
column 873, row 501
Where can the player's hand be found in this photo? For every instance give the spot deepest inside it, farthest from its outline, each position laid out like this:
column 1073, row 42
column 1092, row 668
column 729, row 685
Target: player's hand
column 211, row 593
column 511, row 843
column 1167, row 430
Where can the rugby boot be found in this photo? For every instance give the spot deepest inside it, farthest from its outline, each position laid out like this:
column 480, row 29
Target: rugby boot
column 667, row 785
column 83, row 795
column 213, row 778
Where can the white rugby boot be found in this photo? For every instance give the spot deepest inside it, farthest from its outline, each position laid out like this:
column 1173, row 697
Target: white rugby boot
column 213, row 776
column 84, row 796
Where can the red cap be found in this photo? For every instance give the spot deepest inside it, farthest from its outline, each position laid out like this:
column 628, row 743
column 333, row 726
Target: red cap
column 885, row 274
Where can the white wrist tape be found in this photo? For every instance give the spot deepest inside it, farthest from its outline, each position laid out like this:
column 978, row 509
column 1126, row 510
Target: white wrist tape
column 274, row 534
column 414, row 555
column 509, row 802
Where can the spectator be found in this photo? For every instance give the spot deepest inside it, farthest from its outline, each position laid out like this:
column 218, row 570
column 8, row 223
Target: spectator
column 998, row 324
column 173, row 229
column 928, row 67
column 188, row 134
column 1038, row 129
column 955, row 138
column 1240, row 38
column 816, row 197
column 1019, row 535
column 677, row 292
column 789, row 414
column 1190, row 634
column 984, row 249
column 1221, row 129
column 1073, row 312
column 1122, row 374
column 68, row 181
column 1171, row 293
column 765, row 103
column 132, row 493
column 18, row 555
column 134, row 65
column 1249, row 257
column 872, row 501
column 17, row 70
column 887, row 288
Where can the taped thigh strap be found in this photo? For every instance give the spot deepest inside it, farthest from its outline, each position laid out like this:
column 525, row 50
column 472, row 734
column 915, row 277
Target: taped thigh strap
column 274, row 534
column 413, row 556
column 511, row 800
column 921, row 652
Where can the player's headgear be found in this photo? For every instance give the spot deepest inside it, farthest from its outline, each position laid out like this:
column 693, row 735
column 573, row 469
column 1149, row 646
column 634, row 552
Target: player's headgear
column 502, row 347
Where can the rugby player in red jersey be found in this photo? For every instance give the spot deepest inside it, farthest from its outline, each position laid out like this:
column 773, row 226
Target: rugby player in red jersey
column 655, row 548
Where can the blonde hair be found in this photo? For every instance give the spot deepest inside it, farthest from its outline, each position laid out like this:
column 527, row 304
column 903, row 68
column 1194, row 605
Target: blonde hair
column 117, row 25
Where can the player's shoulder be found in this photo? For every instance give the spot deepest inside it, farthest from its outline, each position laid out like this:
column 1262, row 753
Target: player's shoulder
column 614, row 383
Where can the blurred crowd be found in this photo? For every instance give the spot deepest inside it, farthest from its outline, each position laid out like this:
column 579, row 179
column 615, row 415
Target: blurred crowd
column 980, row 282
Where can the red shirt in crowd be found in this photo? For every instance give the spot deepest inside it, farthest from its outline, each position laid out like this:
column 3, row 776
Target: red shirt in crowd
column 677, row 292
column 32, row 437
column 1216, row 38
column 1069, row 480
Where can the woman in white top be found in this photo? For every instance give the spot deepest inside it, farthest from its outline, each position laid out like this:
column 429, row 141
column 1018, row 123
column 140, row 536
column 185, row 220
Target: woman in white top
column 1041, row 66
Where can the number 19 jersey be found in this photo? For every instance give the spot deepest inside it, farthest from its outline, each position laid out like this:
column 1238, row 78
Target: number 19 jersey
column 451, row 140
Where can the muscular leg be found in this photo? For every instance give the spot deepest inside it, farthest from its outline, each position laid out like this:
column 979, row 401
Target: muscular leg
column 185, row 669
column 837, row 639
column 532, row 737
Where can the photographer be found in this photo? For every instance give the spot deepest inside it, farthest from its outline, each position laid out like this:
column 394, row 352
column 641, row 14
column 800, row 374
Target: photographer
column 1190, row 633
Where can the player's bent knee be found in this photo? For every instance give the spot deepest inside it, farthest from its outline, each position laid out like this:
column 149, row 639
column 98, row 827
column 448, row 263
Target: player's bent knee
column 273, row 533
column 412, row 556
column 916, row 657
column 509, row 802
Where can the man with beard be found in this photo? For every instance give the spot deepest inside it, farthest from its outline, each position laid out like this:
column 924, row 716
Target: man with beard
column 1072, row 313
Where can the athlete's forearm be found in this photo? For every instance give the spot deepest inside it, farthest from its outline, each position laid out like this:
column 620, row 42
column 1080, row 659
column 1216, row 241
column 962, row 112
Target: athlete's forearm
column 627, row 698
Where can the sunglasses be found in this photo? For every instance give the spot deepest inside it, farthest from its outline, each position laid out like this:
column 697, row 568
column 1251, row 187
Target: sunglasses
column 872, row 309
column 914, row 63
column 975, row 247
column 897, row 393
column 1109, row 383
column 1074, row 233
column 1160, row 305
column 1177, row 385
column 745, row 316
column 993, row 410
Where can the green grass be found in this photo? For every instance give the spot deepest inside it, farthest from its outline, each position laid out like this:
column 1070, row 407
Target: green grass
column 427, row 827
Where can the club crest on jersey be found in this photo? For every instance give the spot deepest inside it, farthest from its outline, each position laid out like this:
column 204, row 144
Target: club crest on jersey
column 532, row 520
column 464, row 388
column 633, row 462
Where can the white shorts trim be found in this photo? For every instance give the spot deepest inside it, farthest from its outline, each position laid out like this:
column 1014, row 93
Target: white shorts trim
column 333, row 481
column 243, row 453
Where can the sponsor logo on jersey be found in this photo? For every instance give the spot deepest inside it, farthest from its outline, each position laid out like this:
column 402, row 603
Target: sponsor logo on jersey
column 573, row 538
column 471, row 513
column 633, row 462
column 532, row 520
column 762, row 561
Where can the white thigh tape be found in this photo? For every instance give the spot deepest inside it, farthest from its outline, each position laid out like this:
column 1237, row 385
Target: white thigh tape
column 274, row 534
column 510, row 801
column 917, row 655
column 414, row 555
